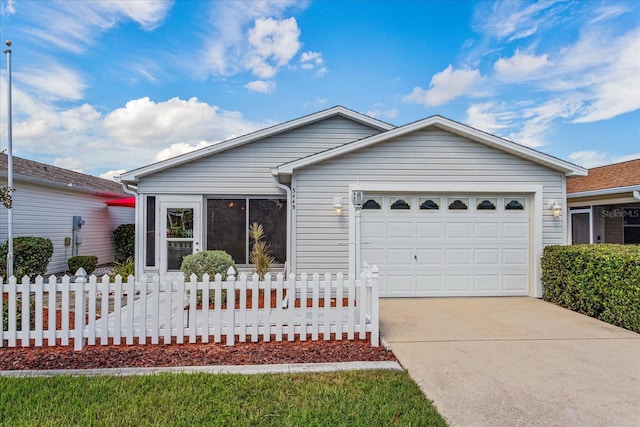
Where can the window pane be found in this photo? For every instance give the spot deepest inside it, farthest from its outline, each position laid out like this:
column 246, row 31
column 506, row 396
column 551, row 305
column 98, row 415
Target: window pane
column 179, row 223
column 458, row 204
column 176, row 251
column 373, row 203
column 151, row 232
column 227, row 228
column 400, row 204
column 272, row 215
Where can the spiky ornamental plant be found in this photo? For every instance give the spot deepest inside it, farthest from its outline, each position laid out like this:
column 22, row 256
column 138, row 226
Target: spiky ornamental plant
column 261, row 255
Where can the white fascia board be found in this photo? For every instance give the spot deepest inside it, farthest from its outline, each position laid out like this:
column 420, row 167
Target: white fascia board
column 132, row 176
column 569, row 169
column 604, row 192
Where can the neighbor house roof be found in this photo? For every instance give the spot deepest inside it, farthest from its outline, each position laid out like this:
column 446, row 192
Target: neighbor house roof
column 43, row 174
column 619, row 177
column 133, row 175
column 442, row 123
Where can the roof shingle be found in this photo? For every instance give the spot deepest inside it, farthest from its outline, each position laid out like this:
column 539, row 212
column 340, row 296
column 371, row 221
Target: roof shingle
column 623, row 174
column 33, row 169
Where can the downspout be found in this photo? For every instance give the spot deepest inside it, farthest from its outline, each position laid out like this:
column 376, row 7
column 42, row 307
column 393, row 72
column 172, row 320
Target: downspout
column 287, row 189
column 137, row 258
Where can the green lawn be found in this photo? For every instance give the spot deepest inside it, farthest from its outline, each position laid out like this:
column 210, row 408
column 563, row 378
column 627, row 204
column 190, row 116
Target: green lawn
column 362, row 398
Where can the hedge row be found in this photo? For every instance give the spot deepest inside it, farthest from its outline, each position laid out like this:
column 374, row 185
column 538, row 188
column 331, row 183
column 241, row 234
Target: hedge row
column 602, row 281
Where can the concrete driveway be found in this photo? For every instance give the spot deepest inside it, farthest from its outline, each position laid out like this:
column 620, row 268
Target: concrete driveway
column 515, row 361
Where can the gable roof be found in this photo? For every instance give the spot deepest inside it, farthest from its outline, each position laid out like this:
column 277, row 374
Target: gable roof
column 133, row 175
column 53, row 176
column 446, row 124
column 618, row 177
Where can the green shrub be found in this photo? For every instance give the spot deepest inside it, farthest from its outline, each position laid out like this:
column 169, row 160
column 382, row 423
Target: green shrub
column 125, row 269
column 31, row 256
column 125, row 238
column 211, row 263
column 88, row 262
column 602, row 281
column 32, row 315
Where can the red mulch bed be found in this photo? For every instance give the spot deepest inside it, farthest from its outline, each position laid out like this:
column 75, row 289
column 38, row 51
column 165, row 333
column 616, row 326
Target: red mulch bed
column 199, row 354
column 92, row 357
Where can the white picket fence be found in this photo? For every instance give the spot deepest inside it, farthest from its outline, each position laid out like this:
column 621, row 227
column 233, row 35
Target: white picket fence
column 151, row 311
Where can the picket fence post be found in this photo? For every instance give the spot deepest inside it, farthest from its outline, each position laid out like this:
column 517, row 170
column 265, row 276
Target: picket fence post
column 78, row 341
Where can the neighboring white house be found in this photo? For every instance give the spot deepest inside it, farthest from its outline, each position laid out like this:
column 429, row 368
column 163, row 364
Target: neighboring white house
column 45, row 200
column 447, row 210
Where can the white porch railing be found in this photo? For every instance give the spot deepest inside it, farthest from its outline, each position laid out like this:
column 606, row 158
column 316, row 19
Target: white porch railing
column 95, row 311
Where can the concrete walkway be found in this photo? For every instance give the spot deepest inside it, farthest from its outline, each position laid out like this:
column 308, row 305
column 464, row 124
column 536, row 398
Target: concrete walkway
column 515, row 361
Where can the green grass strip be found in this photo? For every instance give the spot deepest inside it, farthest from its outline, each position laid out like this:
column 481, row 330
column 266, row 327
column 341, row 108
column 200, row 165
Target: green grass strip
column 362, row 398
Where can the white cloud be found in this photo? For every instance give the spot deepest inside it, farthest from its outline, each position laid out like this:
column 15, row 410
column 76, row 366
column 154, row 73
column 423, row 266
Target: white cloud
column 73, row 26
column 261, row 86
column 616, row 91
column 111, row 174
column 9, row 9
column 380, row 113
column 513, row 20
column 53, row 82
column 249, row 36
column 593, row 158
column 274, row 43
column 445, row 86
column 313, row 60
column 179, row 148
column 520, row 66
column 489, row 117
column 70, row 163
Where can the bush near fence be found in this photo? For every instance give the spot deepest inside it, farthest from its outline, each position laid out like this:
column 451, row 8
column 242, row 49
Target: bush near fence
column 602, row 281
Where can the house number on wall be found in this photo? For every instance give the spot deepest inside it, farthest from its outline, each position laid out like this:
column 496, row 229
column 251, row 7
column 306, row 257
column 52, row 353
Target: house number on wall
column 293, row 199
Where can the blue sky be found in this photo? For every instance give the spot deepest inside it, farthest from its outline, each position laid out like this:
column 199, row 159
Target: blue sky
column 104, row 87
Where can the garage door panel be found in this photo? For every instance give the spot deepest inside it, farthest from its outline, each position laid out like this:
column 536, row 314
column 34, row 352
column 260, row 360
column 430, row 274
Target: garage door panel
column 429, row 257
column 517, row 257
column 487, row 230
column 373, row 230
column 400, row 230
column 515, row 230
column 458, row 282
column 515, row 282
column 400, row 283
column 373, row 256
column 427, row 230
column 458, row 230
column 400, row 257
column 458, row 257
column 487, row 282
column 429, row 283
column 487, row 257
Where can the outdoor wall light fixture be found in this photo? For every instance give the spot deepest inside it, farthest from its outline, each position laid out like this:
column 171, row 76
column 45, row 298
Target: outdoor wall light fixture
column 357, row 197
column 555, row 208
column 337, row 205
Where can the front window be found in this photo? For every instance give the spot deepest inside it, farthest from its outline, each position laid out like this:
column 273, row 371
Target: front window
column 228, row 222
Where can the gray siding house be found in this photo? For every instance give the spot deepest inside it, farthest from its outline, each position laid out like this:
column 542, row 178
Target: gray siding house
column 45, row 200
column 443, row 209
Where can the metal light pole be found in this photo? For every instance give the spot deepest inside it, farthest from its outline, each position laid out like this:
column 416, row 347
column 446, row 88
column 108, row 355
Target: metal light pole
column 9, row 164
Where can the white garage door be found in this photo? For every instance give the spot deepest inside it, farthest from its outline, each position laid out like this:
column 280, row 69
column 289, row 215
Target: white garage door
column 448, row 245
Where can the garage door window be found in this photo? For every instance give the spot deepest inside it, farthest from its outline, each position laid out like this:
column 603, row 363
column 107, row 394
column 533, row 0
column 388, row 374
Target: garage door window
column 512, row 204
column 458, row 204
column 487, row 204
column 398, row 203
column 429, row 204
column 373, row 203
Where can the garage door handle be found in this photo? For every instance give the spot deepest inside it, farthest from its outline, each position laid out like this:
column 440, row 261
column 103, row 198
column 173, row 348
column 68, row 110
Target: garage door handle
column 415, row 257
